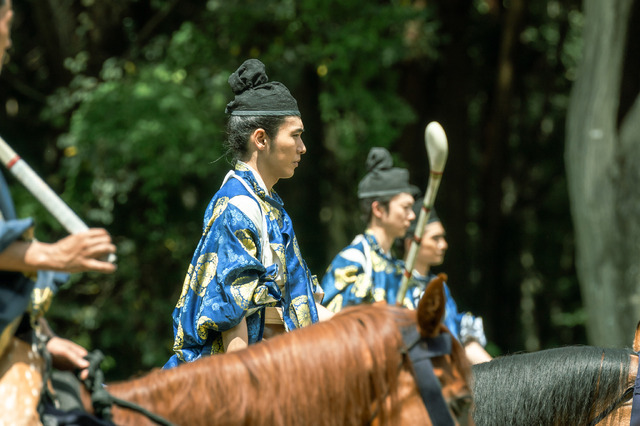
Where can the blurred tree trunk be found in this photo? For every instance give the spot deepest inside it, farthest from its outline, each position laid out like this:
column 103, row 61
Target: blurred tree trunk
column 602, row 156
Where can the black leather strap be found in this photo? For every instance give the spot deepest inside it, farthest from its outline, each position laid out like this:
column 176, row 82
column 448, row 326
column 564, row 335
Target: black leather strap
column 420, row 352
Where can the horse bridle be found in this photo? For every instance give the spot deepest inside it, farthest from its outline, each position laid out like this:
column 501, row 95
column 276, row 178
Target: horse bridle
column 420, row 351
column 102, row 400
column 634, row 393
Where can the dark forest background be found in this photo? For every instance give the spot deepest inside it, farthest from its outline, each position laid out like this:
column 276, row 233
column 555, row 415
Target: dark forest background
column 119, row 105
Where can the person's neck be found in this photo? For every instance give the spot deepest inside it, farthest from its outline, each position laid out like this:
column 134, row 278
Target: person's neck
column 383, row 239
column 421, row 268
column 253, row 163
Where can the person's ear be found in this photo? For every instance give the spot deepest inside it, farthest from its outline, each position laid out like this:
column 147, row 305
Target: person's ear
column 377, row 209
column 259, row 139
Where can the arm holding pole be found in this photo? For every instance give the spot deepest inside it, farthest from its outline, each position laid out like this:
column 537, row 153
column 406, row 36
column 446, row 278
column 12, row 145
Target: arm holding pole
column 83, row 241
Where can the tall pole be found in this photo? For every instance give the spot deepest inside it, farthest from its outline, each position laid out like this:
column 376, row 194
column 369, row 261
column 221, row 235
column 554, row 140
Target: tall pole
column 43, row 192
column 437, row 150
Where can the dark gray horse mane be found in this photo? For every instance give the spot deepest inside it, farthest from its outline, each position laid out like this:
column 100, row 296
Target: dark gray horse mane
column 563, row 386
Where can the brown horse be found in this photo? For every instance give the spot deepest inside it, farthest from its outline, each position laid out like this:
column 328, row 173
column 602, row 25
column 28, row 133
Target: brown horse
column 350, row 370
column 574, row 385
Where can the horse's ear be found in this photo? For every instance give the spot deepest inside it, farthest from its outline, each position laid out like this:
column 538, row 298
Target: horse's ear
column 636, row 339
column 431, row 307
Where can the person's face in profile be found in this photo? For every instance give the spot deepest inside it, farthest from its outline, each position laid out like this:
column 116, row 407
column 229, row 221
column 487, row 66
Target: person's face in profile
column 433, row 245
column 397, row 217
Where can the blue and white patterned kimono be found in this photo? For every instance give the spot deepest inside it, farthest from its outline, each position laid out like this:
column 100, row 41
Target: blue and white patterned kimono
column 19, row 293
column 463, row 325
column 238, row 269
column 362, row 273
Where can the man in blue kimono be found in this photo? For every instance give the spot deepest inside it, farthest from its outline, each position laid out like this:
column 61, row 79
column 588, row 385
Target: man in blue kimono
column 366, row 271
column 466, row 327
column 247, row 276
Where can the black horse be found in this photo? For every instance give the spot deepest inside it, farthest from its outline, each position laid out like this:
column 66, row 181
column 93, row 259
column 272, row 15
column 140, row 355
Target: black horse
column 575, row 385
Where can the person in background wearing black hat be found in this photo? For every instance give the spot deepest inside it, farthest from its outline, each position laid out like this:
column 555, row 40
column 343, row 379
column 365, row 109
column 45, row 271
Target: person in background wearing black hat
column 247, row 275
column 467, row 328
column 366, row 271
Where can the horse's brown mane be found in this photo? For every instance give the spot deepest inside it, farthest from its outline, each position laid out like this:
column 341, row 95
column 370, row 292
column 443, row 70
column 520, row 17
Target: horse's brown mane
column 258, row 385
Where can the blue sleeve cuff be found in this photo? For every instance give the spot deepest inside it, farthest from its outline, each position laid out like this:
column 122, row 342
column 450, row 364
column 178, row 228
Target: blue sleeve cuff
column 12, row 230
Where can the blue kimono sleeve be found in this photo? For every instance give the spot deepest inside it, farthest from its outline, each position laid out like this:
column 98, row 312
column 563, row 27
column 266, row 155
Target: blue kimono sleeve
column 15, row 288
column 12, row 230
column 463, row 325
column 342, row 281
column 224, row 283
column 243, row 282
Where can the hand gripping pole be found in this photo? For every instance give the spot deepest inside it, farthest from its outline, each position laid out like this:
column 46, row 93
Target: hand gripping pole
column 49, row 199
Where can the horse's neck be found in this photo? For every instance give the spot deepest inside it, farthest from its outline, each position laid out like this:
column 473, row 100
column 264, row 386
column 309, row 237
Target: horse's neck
column 291, row 379
column 180, row 395
column 562, row 391
column 234, row 388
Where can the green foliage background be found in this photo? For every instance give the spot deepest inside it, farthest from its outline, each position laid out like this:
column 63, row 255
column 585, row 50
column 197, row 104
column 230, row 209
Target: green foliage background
column 127, row 123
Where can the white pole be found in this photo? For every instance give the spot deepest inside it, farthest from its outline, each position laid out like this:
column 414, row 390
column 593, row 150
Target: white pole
column 437, row 150
column 43, row 192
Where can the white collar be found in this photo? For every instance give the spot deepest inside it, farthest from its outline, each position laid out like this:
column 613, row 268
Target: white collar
column 418, row 274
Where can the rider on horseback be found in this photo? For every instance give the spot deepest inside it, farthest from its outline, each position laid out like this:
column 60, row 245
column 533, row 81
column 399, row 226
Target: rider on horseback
column 465, row 326
column 366, row 271
column 29, row 276
column 247, row 274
